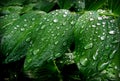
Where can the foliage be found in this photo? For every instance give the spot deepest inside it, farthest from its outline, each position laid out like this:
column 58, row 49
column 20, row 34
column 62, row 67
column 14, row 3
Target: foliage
column 59, row 40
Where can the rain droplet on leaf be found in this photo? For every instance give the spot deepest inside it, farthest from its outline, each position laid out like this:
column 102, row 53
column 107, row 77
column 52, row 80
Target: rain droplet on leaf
column 88, row 46
column 99, row 18
column 55, row 20
column 112, row 32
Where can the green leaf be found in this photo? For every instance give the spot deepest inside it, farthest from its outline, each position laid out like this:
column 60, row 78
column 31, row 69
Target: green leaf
column 45, row 5
column 11, row 9
column 65, row 4
column 114, row 6
column 94, row 4
column 96, row 42
column 11, row 2
column 15, row 40
column 53, row 37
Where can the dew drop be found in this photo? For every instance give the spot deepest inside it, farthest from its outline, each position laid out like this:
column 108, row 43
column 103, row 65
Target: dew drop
column 98, row 24
column 15, row 28
column 64, row 43
column 53, row 34
column 112, row 32
column 103, row 23
column 95, row 56
column 64, row 23
column 58, row 28
column 102, row 66
column 88, row 46
column 102, row 37
column 91, row 19
column 25, row 25
column 83, row 61
column 91, row 13
column 55, row 20
column 33, row 19
column 42, row 27
column 22, row 29
column 28, row 39
column 112, row 54
column 57, row 55
column 99, row 18
column 72, row 22
column 25, row 20
column 36, row 51
column 119, row 75
column 58, row 34
column 93, row 26
column 56, row 42
column 64, row 15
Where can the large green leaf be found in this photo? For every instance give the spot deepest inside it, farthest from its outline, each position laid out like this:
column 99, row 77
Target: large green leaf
column 45, row 5
column 96, row 42
column 53, row 38
column 15, row 40
column 65, row 4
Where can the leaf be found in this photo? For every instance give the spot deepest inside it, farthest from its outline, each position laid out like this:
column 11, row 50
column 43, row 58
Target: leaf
column 11, row 9
column 11, row 2
column 15, row 40
column 96, row 42
column 65, row 4
column 94, row 4
column 45, row 5
column 53, row 37
column 79, row 5
column 114, row 6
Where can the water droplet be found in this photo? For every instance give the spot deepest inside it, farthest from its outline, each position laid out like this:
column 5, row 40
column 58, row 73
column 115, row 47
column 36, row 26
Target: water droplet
column 57, row 55
column 91, row 19
column 102, row 37
column 25, row 20
column 88, row 46
column 103, row 23
column 22, row 29
column 28, row 39
column 98, row 24
column 103, row 65
column 116, row 41
column 53, row 34
column 93, row 26
column 99, row 18
column 15, row 28
column 36, row 51
column 56, row 42
column 64, row 43
column 91, row 13
column 83, row 61
column 107, row 46
column 25, row 25
column 58, row 34
column 72, row 22
column 64, row 23
column 58, row 28
column 55, row 20
column 66, row 29
column 42, row 27
column 112, row 20
column 95, row 55
column 119, row 75
column 112, row 54
column 33, row 19
column 116, row 67
column 64, row 15
column 112, row 32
